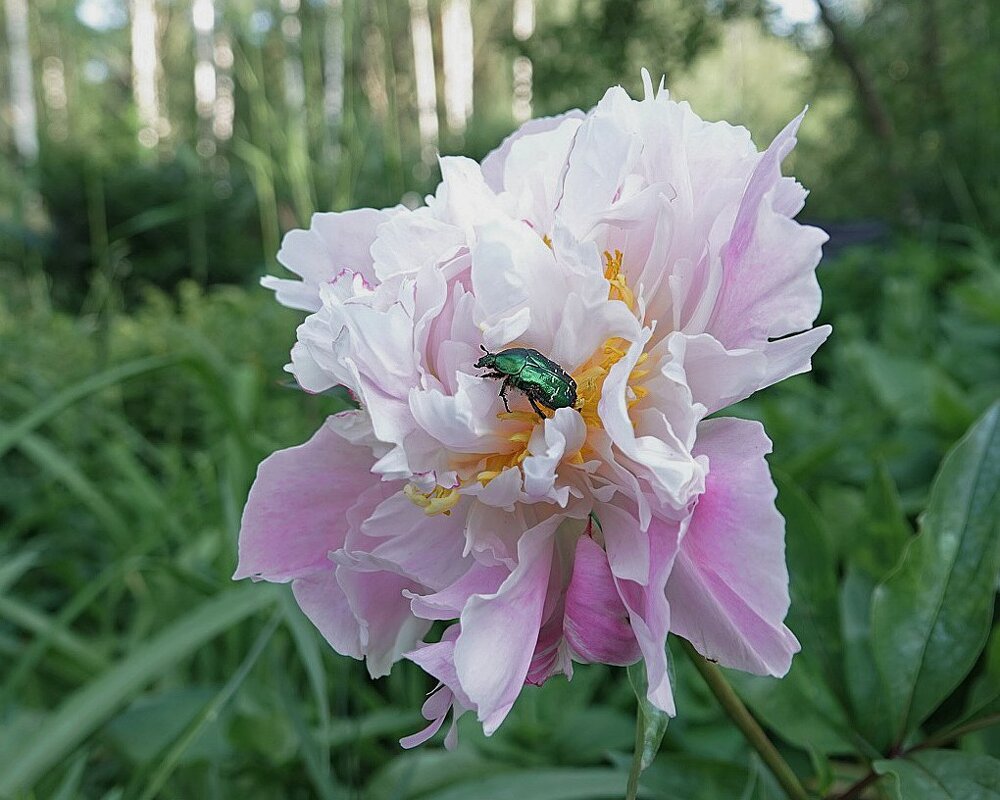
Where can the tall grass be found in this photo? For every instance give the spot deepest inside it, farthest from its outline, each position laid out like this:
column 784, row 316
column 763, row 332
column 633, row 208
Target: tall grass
column 133, row 667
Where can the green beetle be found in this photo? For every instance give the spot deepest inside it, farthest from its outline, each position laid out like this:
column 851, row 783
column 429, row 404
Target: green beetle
column 541, row 379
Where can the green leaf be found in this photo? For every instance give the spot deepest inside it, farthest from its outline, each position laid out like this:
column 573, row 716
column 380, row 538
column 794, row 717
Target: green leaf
column 585, row 735
column 53, row 405
column 153, row 721
column 943, row 775
column 864, row 684
column 886, row 531
column 204, row 720
column 540, row 784
column 799, row 708
column 685, row 777
column 813, row 585
column 651, row 722
column 931, row 617
column 420, row 772
column 84, row 711
column 984, row 698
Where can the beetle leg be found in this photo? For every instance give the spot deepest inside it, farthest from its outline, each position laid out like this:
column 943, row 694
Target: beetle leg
column 503, row 392
column 494, row 375
column 534, row 405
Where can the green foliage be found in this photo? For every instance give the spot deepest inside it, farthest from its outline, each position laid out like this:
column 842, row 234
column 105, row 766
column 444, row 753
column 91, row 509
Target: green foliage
column 932, row 64
column 932, row 615
column 130, row 442
column 942, row 775
column 130, row 430
column 651, row 724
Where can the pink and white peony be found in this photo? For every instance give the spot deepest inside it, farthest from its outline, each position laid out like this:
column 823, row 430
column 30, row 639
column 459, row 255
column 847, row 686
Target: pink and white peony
column 653, row 256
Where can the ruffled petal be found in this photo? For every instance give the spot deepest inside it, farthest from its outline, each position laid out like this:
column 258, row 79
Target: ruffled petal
column 596, row 623
column 294, row 515
column 729, row 587
column 499, row 631
column 322, row 600
column 769, row 288
column 335, row 241
column 649, row 611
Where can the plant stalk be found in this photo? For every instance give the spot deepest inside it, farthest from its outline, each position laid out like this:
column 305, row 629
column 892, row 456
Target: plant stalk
column 749, row 727
column 632, row 790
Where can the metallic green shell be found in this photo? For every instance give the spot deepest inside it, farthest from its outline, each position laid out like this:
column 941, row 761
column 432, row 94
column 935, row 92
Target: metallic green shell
column 539, row 377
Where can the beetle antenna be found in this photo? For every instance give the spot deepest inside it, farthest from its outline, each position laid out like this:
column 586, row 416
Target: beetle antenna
column 483, row 349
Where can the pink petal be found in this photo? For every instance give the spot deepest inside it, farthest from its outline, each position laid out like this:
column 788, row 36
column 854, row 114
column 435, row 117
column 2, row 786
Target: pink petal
column 449, row 602
column 334, row 241
column 295, row 513
column 596, row 623
column 323, row 601
column 499, row 631
column 769, row 287
column 388, row 628
column 550, row 656
column 729, row 587
column 495, row 162
column 649, row 611
column 627, row 545
column 398, row 536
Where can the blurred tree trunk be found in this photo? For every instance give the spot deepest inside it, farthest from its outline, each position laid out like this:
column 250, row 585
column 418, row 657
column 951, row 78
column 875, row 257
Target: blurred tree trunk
column 24, row 114
column 876, row 111
column 333, row 77
column 145, row 66
column 426, row 80
column 205, row 85
column 524, row 26
column 456, row 28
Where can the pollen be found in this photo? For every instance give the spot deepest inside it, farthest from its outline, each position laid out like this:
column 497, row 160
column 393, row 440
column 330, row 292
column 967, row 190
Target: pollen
column 590, row 379
column 494, row 465
column 437, row 501
column 619, row 286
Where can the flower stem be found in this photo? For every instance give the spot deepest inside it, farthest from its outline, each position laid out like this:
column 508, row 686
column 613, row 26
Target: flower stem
column 632, row 791
column 754, row 734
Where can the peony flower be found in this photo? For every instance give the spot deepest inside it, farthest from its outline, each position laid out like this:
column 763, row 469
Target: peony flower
column 654, row 258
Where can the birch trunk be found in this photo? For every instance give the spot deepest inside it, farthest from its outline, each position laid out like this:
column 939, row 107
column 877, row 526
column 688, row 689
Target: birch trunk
column 423, row 70
column 456, row 31
column 24, row 116
column 524, row 26
column 144, row 71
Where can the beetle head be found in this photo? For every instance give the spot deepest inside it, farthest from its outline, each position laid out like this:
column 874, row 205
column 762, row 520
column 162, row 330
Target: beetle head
column 487, row 360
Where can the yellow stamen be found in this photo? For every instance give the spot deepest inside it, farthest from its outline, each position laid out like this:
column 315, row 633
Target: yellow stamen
column 494, row 465
column 519, row 416
column 437, row 501
column 590, row 379
column 619, row 286
column 548, row 241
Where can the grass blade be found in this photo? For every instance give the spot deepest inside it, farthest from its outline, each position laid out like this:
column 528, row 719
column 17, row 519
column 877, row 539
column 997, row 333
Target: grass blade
column 66, row 398
column 89, row 707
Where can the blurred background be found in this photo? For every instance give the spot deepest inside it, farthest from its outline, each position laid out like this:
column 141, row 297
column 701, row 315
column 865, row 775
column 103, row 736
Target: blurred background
column 154, row 153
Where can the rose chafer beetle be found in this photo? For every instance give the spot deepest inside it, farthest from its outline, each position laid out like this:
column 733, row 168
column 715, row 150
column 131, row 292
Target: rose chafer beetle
column 541, row 379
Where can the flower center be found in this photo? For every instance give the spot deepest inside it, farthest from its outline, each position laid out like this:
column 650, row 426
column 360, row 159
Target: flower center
column 437, row 501
column 619, row 285
column 495, row 464
column 590, row 379
column 590, row 384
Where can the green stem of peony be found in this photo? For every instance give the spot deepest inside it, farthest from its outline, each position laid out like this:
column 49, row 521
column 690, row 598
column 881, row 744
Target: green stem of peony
column 632, row 791
column 754, row 734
